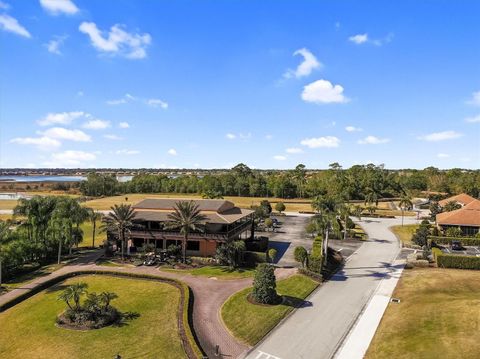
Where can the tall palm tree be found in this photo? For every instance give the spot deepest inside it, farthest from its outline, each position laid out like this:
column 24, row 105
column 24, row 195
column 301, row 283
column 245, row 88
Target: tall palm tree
column 120, row 221
column 73, row 292
column 94, row 216
column 344, row 211
column 187, row 218
column 405, row 204
column 4, row 236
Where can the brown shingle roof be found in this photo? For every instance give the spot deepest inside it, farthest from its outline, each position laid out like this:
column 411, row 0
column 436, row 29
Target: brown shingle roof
column 461, row 198
column 469, row 215
column 211, row 217
column 215, row 205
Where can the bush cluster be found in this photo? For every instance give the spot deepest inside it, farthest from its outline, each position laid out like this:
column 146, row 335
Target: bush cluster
column 466, row 241
column 457, row 262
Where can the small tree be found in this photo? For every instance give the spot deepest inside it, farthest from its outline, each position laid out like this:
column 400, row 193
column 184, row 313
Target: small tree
column 451, row 206
column 301, row 255
column 454, row 232
column 268, row 223
column 311, row 228
column 272, row 253
column 266, row 206
column 280, row 207
column 264, row 284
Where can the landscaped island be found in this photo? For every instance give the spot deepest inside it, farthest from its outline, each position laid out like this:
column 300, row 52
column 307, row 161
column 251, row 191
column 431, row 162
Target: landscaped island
column 29, row 330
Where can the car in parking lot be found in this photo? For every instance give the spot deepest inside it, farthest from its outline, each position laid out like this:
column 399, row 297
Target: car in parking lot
column 456, row 246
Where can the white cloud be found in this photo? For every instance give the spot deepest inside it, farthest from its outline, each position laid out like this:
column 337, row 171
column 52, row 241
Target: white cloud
column 443, row 155
column 231, row 136
column 440, row 136
column 475, row 100
column 373, row 140
column 56, row 7
column 70, row 158
column 359, row 38
column 294, row 150
column 62, row 118
column 279, row 158
column 118, row 41
column 326, row 141
column 116, row 102
column 473, row 119
column 80, row 93
column 10, row 24
column 53, row 46
column 123, row 125
column 4, row 6
column 172, row 152
column 308, row 64
column 154, row 102
column 61, row 133
column 113, row 137
column 353, row 129
column 96, row 124
column 323, row 91
column 43, row 143
column 268, row 137
column 127, row 152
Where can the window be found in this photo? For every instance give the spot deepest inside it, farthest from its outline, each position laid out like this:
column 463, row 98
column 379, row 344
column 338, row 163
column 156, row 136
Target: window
column 193, row 245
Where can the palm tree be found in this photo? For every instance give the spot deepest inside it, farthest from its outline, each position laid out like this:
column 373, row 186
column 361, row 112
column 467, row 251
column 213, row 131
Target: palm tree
column 119, row 220
column 94, row 216
column 107, row 297
column 4, row 236
column 187, row 218
column 345, row 212
column 405, row 204
column 73, row 292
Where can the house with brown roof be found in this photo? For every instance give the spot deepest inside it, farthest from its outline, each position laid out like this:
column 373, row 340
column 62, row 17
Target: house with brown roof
column 466, row 218
column 462, row 199
column 223, row 222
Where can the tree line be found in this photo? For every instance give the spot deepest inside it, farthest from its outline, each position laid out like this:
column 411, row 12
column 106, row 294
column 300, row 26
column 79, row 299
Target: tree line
column 360, row 182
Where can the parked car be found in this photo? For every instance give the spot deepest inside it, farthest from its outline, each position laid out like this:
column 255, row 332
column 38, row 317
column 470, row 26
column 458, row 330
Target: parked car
column 456, row 246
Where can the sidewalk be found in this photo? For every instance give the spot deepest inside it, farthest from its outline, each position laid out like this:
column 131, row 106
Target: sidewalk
column 358, row 340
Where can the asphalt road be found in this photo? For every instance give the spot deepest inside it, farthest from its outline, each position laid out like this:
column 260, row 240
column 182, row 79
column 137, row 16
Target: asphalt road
column 318, row 330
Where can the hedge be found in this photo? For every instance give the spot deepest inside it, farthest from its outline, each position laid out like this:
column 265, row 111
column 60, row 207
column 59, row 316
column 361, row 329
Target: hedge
column 191, row 345
column 466, row 241
column 458, row 262
column 315, row 276
column 315, row 259
column 252, row 258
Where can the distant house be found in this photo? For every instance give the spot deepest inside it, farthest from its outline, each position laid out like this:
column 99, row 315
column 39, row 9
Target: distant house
column 462, row 199
column 466, row 218
column 224, row 222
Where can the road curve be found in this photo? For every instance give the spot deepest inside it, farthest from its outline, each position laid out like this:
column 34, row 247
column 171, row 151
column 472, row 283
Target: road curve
column 318, row 330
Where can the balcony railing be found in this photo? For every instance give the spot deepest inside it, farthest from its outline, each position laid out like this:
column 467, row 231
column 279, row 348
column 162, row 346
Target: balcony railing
column 139, row 232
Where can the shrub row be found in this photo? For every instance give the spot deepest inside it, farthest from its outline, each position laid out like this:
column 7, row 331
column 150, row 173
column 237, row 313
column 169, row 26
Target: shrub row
column 252, row 258
column 466, row 241
column 185, row 323
column 458, row 262
column 315, row 276
column 315, row 259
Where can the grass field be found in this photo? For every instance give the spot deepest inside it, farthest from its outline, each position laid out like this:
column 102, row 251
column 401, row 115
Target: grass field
column 437, row 317
column 29, row 331
column 88, row 234
column 219, row 272
column 28, row 277
column 404, row 233
column 250, row 323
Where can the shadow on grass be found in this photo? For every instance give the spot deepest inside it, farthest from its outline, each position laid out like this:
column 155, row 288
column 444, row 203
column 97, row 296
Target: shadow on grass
column 295, row 302
column 126, row 318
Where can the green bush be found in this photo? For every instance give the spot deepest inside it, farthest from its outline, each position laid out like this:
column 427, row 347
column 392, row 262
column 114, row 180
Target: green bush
column 272, row 254
column 265, row 284
column 454, row 232
column 280, row 207
column 252, row 258
column 301, row 255
column 436, row 252
column 315, row 259
column 458, row 262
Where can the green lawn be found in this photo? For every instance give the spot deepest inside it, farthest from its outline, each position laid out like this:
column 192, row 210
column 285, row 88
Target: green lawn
column 88, row 233
column 220, row 272
column 404, row 233
column 29, row 276
column 250, row 322
column 437, row 317
column 29, row 331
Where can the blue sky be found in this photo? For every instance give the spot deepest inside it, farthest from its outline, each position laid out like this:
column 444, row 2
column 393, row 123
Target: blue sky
column 124, row 83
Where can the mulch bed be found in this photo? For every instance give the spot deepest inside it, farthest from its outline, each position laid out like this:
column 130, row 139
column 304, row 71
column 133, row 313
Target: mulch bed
column 250, row 299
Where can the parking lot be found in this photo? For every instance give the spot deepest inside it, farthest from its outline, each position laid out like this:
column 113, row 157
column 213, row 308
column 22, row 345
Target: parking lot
column 466, row 251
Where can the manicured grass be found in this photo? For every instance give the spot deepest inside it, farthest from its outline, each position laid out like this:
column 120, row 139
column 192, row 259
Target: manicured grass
column 220, row 272
column 437, row 317
column 244, row 202
column 29, row 331
column 250, row 322
column 404, row 233
column 88, row 233
column 5, row 217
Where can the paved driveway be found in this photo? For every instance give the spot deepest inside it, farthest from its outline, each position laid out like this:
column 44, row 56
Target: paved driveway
column 290, row 235
column 318, row 330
